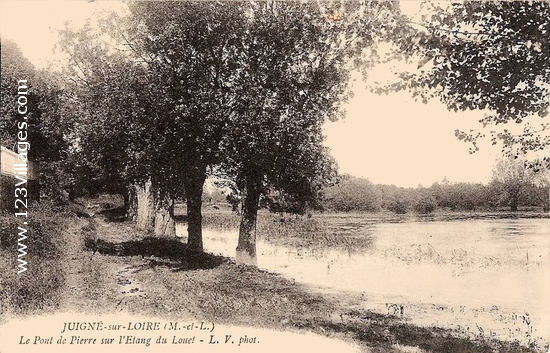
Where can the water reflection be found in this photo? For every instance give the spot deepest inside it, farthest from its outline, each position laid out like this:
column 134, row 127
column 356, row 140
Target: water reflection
column 486, row 277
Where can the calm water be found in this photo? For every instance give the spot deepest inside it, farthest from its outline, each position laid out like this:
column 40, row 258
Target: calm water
column 482, row 277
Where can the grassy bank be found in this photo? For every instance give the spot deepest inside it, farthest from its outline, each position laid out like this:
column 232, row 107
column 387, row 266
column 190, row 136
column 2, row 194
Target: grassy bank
column 106, row 266
column 36, row 289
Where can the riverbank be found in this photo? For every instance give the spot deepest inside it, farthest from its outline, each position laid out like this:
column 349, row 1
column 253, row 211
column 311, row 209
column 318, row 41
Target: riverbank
column 104, row 265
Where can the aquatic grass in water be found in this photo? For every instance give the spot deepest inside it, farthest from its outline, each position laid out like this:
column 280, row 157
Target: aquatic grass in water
column 297, row 231
column 222, row 220
column 458, row 258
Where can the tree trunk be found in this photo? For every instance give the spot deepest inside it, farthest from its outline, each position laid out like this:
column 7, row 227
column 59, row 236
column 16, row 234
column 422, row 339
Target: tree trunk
column 514, row 200
column 164, row 218
column 149, row 211
column 193, row 191
column 146, row 207
column 246, row 248
column 130, row 203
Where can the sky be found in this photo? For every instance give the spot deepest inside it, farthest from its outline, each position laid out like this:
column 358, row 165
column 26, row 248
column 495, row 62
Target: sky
column 389, row 139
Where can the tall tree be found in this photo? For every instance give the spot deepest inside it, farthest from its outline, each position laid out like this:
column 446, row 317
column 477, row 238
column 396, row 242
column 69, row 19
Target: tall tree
column 161, row 79
column 293, row 75
column 118, row 135
column 191, row 48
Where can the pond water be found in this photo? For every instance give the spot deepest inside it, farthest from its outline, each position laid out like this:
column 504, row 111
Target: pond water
column 488, row 278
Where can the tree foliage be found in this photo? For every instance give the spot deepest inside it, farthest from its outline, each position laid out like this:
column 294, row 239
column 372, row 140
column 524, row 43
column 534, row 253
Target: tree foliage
column 353, row 194
column 44, row 127
column 491, row 56
column 109, row 135
column 462, row 196
column 15, row 67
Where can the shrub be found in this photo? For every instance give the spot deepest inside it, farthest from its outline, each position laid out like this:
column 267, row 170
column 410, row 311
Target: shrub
column 398, row 206
column 426, row 204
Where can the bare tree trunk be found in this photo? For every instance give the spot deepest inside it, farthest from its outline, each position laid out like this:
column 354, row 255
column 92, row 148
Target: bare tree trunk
column 194, row 184
column 246, row 248
column 164, row 217
column 149, row 211
column 514, row 199
column 146, row 207
column 546, row 199
column 130, row 203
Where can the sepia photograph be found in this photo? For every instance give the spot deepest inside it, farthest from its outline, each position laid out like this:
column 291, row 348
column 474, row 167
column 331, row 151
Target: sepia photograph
column 275, row 175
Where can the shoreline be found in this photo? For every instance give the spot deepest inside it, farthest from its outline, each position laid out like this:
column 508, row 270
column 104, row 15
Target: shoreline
column 159, row 283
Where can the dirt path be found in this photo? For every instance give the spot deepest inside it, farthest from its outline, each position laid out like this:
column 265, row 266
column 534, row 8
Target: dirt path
column 94, row 282
column 74, row 258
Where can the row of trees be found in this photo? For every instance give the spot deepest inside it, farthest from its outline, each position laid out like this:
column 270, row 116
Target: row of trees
column 153, row 103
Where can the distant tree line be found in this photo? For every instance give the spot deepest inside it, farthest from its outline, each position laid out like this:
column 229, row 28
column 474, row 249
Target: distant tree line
column 511, row 187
